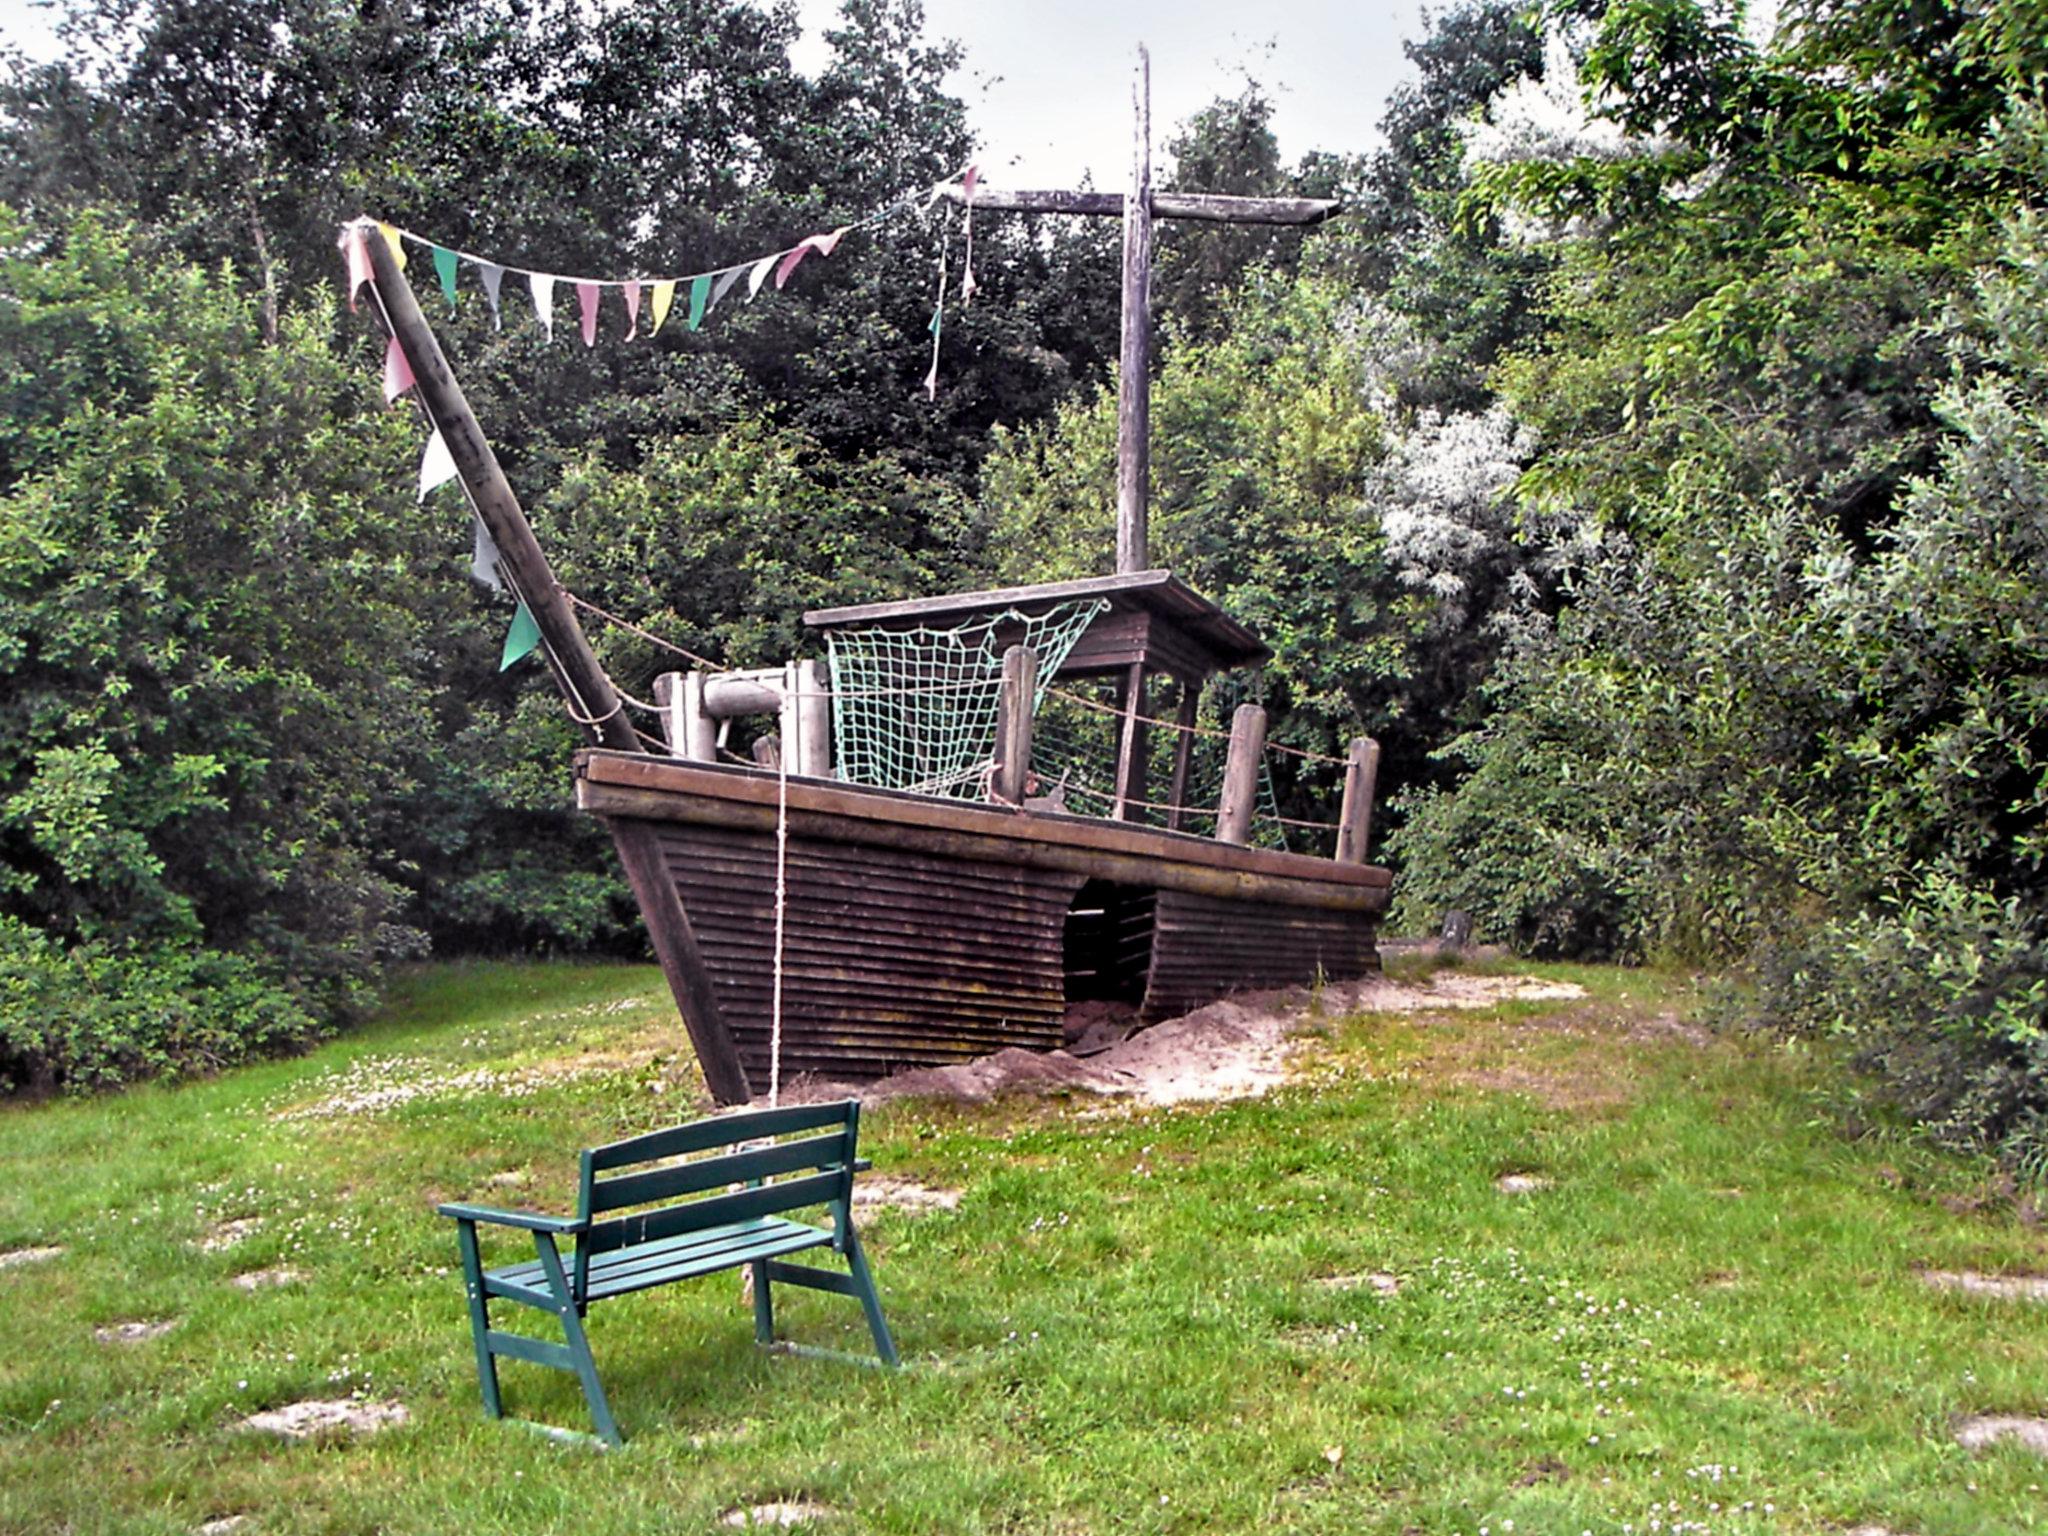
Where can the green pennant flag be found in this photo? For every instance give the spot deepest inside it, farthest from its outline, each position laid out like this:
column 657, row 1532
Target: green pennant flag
column 444, row 264
column 700, row 291
column 523, row 639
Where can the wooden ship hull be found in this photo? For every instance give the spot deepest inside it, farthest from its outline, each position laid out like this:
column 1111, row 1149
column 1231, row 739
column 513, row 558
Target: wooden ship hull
column 919, row 932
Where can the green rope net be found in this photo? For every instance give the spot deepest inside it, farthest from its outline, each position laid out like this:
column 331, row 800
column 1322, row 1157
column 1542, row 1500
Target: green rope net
column 915, row 709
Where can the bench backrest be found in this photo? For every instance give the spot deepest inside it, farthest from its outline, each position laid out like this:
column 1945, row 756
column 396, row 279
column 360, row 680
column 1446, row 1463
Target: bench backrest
column 664, row 1189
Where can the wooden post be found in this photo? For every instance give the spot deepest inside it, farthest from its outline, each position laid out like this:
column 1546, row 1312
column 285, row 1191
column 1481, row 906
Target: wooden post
column 1013, row 723
column 1130, row 754
column 789, row 728
column 1134, row 387
column 700, row 736
column 590, row 692
column 814, row 720
column 1183, row 752
column 1241, row 775
column 1354, row 822
column 668, row 698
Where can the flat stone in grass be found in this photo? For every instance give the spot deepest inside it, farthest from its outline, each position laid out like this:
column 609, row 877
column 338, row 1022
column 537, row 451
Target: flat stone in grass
column 263, row 1279
column 138, row 1332
column 880, row 1192
column 229, row 1233
column 11, row 1258
column 326, row 1416
column 1520, row 1183
column 222, row 1526
column 2005, row 1287
column 784, row 1512
column 1987, row 1429
column 1379, row 1281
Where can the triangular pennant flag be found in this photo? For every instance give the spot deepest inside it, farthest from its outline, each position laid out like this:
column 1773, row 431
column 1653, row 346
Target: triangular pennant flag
column 759, row 275
column 396, row 242
column 968, row 178
column 586, row 301
column 397, row 371
column 355, row 247
column 493, row 275
column 444, row 268
column 700, row 295
column 664, row 295
column 483, row 558
column 543, row 288
column 522, row 639
column 967, row 284
column 724, row 284
column 437, row 464
column 632, row 293
column 822, row 244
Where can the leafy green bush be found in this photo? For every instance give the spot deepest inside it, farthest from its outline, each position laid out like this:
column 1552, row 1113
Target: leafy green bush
column 94, row 1016
column 1944, row 998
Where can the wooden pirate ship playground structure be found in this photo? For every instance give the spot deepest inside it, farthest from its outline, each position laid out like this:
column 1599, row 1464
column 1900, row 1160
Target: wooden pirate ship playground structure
column 956, row 832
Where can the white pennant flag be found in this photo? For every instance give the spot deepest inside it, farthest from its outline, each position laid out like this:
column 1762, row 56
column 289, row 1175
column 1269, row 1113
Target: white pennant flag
column 493, row 275
column 760, row 273
column 437, row 464
column 543, row 288
column 484, row 557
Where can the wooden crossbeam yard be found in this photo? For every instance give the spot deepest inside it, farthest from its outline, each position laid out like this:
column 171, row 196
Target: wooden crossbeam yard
column 1138, row 208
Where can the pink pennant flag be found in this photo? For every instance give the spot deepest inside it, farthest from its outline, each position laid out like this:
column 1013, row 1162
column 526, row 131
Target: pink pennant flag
column 968, row 178
column 586, row 300
column 355, row 246
column 632, row 292
column 397, row 371
column 822, row 244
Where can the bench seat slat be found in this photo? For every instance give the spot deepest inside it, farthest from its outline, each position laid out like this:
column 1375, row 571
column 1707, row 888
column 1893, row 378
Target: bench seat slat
column 721, row 1131
column 678, row 1258
column 708, row 1173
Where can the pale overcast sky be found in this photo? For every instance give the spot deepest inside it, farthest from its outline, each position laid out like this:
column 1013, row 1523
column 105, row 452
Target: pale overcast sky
column 1048, row 83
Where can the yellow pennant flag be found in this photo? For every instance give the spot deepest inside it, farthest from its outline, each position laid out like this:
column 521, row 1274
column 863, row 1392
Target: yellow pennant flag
column 664, row 295
column 392, row 239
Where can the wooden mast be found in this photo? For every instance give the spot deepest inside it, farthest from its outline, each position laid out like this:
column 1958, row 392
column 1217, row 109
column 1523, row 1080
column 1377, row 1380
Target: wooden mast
column 589, row 692
column 1134, row 386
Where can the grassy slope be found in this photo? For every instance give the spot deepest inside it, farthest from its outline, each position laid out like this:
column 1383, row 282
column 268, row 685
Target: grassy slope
column 1120, row 1329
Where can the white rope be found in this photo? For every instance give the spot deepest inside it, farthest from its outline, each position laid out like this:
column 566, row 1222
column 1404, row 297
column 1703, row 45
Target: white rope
column 781, row 905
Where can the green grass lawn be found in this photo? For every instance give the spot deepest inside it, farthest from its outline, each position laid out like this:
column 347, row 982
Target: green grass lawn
column 1708, row 1318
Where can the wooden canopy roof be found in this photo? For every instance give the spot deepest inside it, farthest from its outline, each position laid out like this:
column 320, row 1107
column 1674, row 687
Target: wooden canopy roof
column 1155, row 619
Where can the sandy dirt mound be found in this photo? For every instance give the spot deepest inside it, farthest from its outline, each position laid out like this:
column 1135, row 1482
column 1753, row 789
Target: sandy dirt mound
column 784, row 1513
column 12, row 1257
column 139, row 1332
column 1987, row 1429
column 1233, row 1049
column 2006, row 1287
column 879, row 1191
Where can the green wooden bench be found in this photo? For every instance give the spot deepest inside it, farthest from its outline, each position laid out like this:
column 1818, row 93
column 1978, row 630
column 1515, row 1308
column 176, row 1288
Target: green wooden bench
column 682, row 1219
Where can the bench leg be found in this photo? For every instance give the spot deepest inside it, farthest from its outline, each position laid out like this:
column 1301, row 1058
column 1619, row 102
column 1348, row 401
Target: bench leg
column 479, row 1319
column 764, row 1304
column 579, row 1343
column 864, row 1285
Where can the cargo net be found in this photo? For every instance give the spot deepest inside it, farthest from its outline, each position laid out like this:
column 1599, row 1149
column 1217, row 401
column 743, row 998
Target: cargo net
column 915, row 709
column 1074, row 743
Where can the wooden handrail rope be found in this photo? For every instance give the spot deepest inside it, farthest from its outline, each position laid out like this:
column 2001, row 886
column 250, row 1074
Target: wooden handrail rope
column 1194, row 730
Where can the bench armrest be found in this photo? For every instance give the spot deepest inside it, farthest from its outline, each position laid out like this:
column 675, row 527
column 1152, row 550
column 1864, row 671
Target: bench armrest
column 532, row 1221
column 862, row 1165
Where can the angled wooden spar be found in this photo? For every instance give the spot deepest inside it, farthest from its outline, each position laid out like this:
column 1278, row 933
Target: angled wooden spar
column 595, row 702
column 591, row 696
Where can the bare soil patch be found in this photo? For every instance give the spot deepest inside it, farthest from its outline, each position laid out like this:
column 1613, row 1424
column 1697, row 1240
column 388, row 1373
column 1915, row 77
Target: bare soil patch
column 12, row 1258
column 1380, row 1282
column 263, row 1279
column 228, row 1233
column 783, row 1512
column 1987, row 1429
column 1521, row 1183
column 881, row 1192
column 327, row 1416
column 138, row 1332
column 222, row 1526
column 2005, row 1287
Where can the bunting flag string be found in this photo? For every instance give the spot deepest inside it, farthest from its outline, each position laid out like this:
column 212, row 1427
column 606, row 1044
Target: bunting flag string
column 705, row 289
